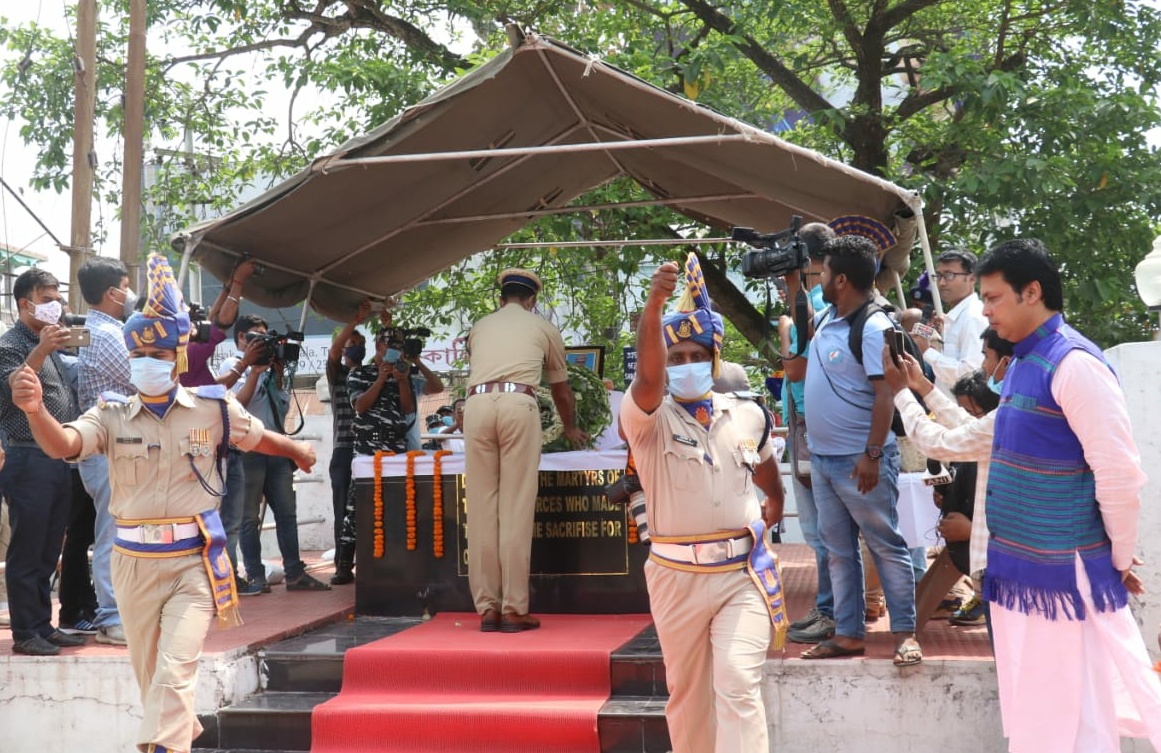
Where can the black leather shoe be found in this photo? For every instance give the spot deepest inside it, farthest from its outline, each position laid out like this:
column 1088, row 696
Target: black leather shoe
column 342, row 577
column 64, row 640
column 35, row 646
column 518, row 623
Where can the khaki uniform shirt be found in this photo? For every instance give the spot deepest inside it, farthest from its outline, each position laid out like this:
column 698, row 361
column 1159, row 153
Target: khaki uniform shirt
column 149, row 459
column 515, row 345
column 695, row 481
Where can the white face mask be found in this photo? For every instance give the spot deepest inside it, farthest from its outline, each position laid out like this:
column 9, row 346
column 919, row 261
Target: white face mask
column 129, row 305
column 151, row 376
column 49, row 313
column 690, row 381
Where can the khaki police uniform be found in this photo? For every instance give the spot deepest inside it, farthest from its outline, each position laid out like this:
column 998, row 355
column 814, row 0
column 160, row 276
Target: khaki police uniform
column 502, row 436
column 714, row 627
column 166, row 604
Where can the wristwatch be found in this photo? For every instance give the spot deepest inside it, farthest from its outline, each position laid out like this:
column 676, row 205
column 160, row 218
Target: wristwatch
column 874, row 451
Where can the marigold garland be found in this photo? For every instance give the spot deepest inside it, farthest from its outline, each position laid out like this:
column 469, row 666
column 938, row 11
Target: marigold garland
column 437, row 503
column 632, row 526
column 380, row 547
column 411, row 537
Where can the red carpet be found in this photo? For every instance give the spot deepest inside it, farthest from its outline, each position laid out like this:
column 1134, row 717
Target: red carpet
column 445, row 687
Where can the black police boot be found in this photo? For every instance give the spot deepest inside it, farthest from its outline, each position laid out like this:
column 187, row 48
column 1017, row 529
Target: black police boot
column 344, row 564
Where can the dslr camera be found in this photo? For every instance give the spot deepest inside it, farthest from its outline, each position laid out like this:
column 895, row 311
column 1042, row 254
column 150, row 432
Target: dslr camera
column 627, row 491
column 774, row 254
column 411, row 339
column 277, row 346
column 199, row 328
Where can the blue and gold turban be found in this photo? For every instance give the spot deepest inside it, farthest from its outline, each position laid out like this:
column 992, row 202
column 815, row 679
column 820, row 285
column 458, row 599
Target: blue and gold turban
column 164, row 322
column 695, row 319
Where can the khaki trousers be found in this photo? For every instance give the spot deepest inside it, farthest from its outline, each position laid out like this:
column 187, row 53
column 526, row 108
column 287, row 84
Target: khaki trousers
column 502, row 438
column 714, row 632
column 166, row 607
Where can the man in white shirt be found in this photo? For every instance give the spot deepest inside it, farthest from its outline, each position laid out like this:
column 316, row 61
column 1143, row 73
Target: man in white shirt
column 961, row 326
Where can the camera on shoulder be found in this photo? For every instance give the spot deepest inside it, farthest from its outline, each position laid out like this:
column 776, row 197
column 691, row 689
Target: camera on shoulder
column 411, row 340
column 773, row 254
column 276, row 346
column 199, row 327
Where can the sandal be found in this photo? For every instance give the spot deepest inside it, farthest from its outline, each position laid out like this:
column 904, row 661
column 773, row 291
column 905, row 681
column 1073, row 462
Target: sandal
column 829, row 650
column 306, row 583
column 908, row 653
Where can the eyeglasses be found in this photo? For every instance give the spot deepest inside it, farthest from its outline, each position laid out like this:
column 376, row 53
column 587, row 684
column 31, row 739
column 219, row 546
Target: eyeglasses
column 950, row 276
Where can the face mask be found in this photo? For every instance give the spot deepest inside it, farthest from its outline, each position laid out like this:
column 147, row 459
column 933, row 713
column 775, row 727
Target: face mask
column 392, row 355
column 993, row 385
column 129, row 305
column 355, row 353
column 449, row 421
column 151, row 376
column 49, row 313
column 690, row 381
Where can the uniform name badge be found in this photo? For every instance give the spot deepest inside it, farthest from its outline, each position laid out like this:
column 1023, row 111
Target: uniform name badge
column 200, row 443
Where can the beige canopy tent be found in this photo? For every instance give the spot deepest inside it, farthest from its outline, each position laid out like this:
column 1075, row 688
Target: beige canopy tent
column 514, row 139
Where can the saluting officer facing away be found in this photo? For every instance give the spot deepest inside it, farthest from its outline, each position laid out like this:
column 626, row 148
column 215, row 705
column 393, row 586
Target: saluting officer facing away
column 166, row 450
column 509, row 350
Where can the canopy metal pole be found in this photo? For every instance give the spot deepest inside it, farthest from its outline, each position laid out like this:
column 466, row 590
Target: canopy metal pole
column 327, row 164
column 571, row 209
column 186, row 255
column 916, row 205
column 622, row 242
column 306, row 305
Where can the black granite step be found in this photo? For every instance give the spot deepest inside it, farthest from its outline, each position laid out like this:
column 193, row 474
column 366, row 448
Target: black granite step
column 306, row 670
column 313, row 662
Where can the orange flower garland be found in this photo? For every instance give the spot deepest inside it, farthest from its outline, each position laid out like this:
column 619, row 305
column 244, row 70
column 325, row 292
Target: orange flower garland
column 632, row 526
column 411, row 537
column 380, row 536
column 437, row 502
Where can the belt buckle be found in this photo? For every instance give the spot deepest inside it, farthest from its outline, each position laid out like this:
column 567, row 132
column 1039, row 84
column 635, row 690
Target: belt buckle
column 711, row 552
column 156, row 534
column 507, row 387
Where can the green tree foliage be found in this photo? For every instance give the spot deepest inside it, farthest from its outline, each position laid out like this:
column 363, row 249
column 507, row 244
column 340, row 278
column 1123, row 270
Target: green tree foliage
column 1010, row 117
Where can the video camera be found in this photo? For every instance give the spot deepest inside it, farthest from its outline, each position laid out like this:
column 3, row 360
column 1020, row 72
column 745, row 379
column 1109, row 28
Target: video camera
column 772, row 255
column 410, row 339
column 199, row 328
column 281, row 347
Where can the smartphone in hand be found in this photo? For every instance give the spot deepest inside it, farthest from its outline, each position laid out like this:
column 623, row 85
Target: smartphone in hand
column 895, row 344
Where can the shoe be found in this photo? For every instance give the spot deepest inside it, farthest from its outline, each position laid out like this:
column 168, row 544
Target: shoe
column 80, row 627
column 490, row 621
column 251, row 588
column 342, row 577
column 518, row 623
column 832, row 650
column 908, row 653
column 876, row 605
column 64, row 640
column 305, row 582
column 970, row 614
column 821, row 630
column 946, row 608
column 114, row 635
column 806, row 621
column 35, row 646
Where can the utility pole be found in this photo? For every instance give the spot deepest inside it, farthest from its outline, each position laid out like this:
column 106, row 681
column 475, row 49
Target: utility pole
column 84, row 158
column 133, row 163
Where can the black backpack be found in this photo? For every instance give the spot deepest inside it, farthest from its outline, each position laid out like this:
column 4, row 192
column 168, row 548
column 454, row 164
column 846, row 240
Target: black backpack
column 857, row 320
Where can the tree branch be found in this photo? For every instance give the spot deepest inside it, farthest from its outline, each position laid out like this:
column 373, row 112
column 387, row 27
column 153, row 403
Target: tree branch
column 802, row 94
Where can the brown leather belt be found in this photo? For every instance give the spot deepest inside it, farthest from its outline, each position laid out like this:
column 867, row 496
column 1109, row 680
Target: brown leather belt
column 523, row 389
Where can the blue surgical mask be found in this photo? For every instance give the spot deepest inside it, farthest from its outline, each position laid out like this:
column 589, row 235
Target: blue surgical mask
column 449, row 420
column 994, row 386
column 355, row 353
column 392, row 355
column 690, row 381
column 151, row 376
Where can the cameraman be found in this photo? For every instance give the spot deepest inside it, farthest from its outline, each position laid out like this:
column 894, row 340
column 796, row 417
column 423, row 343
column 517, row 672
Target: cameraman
column 384, row 402
column 424, row 381
column 259, row 386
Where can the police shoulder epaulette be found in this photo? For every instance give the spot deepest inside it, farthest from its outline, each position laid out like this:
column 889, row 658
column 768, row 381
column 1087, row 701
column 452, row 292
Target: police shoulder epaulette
column 211, row 391
column 111, row 398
